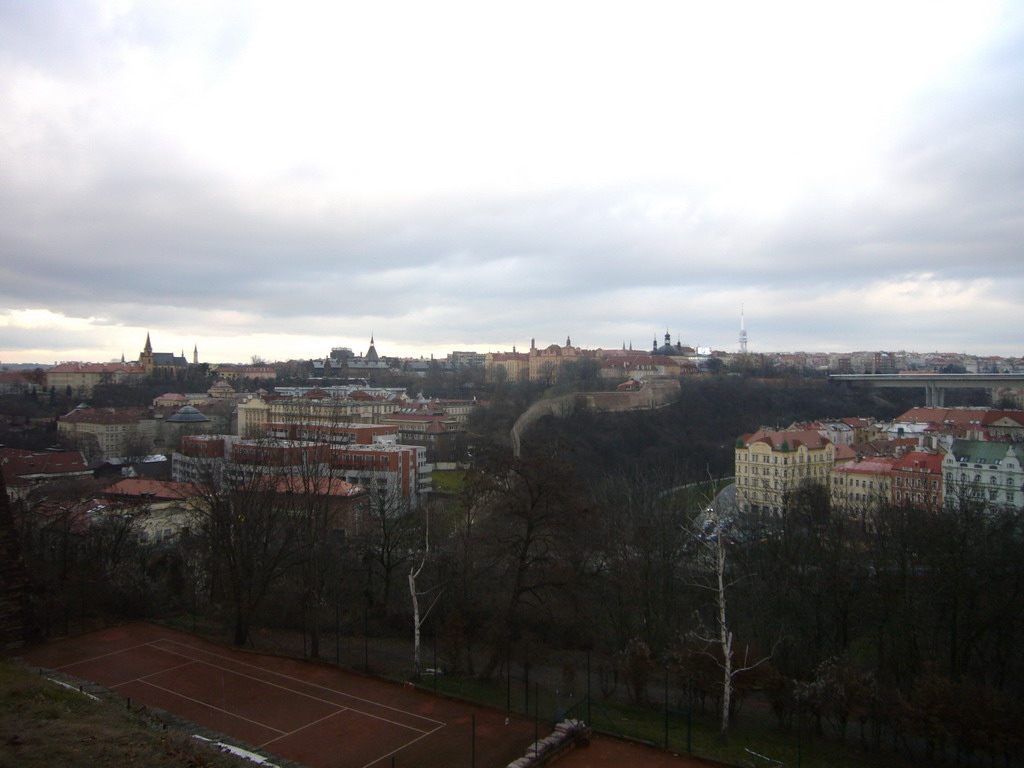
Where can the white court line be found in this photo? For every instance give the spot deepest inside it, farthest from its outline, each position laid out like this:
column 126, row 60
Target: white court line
column 399, row 749
column 104, row 655
column 300, row 693
column 307, row 725
column 171, row 669
column 208, row 706
column 300, row 681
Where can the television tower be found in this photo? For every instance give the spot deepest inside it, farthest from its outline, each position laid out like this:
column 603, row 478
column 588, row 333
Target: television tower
column 743, row 333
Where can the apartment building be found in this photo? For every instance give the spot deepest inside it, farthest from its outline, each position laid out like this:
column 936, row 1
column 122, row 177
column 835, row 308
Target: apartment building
column 770, row 465
column 859, row 487
column 991, row 473
column 400, row 471
column 108, row 433
column 917, row 479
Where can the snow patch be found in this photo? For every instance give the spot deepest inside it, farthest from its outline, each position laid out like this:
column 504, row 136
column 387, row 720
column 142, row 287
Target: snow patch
column 237, row 751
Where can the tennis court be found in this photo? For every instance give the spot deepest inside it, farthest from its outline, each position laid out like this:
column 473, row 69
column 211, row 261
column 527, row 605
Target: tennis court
column 315, row 714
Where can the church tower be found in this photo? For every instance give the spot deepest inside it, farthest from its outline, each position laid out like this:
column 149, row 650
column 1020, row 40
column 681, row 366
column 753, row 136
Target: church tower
column 371, row 353
column 146, row 358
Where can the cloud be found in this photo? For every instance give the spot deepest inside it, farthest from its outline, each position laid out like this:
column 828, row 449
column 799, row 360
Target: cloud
column 244, row 174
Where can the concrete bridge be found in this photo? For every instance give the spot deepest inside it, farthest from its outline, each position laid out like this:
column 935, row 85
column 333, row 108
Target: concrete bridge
column 933, row 384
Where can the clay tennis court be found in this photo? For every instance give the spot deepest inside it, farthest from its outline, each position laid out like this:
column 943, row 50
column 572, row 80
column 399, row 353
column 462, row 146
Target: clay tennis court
column 315, row 714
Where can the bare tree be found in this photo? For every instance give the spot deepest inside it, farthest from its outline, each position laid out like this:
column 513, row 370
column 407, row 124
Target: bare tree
column 388, row 538
column 433, row 594
column 532, row 514
column 712, row 573
column 250, row 541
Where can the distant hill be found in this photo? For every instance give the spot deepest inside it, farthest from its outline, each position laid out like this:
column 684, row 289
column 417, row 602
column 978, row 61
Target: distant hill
column 696, row 435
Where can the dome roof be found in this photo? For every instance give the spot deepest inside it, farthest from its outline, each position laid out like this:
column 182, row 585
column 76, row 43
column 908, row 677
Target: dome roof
column 187, row 415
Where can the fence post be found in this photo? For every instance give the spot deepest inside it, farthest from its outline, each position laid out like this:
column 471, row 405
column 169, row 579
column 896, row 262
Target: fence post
column 590, row 720
column 666, row 706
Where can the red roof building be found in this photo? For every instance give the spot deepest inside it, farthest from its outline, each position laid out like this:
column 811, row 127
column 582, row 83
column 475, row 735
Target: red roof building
column 23, row 470
column 917, row 479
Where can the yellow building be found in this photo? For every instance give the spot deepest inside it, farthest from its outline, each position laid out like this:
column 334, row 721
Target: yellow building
column 858, row 487
column 545, row 363
column 108, row 433
column 513, row 366
column 256, row 413
column 239, row 372
column 82, row 378
column 770, row 465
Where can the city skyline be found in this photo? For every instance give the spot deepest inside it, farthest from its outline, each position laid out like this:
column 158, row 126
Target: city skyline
column 265, row 180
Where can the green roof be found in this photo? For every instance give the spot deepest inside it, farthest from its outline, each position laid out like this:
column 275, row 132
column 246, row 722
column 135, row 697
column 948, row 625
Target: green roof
column 984, row 452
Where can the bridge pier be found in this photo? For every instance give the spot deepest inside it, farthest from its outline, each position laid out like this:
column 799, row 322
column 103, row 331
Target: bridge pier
column 935, row 396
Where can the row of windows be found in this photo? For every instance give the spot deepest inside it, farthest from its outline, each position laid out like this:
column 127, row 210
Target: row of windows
column 992, row 479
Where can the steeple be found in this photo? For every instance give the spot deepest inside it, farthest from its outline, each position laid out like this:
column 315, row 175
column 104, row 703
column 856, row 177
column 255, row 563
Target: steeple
column 371, row 353
column 195, row 355
column 146, row 358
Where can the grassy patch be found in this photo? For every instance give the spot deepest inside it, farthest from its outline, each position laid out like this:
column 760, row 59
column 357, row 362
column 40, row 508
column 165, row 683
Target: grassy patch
column 697, row 496
column 43, row 724
column 447, row 480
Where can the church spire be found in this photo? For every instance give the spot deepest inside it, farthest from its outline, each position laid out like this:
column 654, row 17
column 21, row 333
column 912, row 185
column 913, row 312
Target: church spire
column 149, row 347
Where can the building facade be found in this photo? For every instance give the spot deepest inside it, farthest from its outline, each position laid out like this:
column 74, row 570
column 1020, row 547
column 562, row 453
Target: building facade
column 770, row 465
column 108, row 433
column 989, row 473
column 400, row 472
column 917, row 479
column 83, row 378
column 860, row 487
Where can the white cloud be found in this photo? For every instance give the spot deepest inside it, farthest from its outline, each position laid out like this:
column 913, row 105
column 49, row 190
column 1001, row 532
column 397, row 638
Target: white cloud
column 244, row 172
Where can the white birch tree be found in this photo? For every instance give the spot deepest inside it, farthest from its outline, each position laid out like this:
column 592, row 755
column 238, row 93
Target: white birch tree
column 434, row 593
column 713, row 576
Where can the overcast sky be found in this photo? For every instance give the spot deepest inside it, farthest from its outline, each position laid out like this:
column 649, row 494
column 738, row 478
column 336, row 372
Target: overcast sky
column 274, row 179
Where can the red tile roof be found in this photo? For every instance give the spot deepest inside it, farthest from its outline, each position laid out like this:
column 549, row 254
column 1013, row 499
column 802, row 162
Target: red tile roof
column 105, row 415
column 75, row 367
column 320, row 486
column 919, row 461
column 873, row 466
column 794, row 439
column 164, row 490
column 19, row 464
